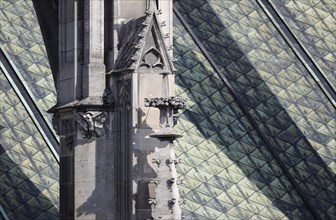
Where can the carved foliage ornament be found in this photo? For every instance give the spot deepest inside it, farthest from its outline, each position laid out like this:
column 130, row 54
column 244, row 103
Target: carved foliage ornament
column 91, row 124
column 168, row 109
column 173, row 102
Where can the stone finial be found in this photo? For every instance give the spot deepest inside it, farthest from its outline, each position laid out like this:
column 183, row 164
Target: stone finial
column 151, row 6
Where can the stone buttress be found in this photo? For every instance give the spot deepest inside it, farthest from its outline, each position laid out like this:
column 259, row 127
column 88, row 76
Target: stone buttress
column 146, row 111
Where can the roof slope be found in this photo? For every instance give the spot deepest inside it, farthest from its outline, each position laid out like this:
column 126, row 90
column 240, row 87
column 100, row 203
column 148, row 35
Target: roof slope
column 129, row 44
column 314, row 25
column 228, row 171
column 28, row 170
column 21, row 40
column 287, row 111
column 29, row 175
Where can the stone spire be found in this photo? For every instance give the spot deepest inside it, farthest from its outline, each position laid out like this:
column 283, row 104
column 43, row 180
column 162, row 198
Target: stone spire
column 163, row 191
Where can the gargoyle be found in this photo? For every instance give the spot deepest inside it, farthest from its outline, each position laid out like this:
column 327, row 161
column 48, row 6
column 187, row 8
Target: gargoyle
column 91, row 124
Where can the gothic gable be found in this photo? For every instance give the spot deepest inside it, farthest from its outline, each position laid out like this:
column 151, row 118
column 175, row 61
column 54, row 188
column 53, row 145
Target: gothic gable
column 141, row 45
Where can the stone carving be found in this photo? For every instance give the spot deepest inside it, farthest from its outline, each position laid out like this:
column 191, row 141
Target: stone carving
column 91, row 124
column 156, row 60
column 155, row 181
column 67, row 128
column 168, row 107
column 108, row 97
column 171, row 203
column 157, row 161
column 152, row 201
column 175, row 116
column 170, row 183
column 152, row 58
column 169, row 162
column 67, row 133
column 173, row 102
column 55, row 120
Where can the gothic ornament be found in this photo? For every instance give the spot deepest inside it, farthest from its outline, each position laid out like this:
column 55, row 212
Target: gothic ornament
column 67, row 127
column 168, row 108
column 108, row 97
column 153, row 58
column 174, row 102
column 124, row 99
column 67, row 132
column 56, row 123
column 91, row 124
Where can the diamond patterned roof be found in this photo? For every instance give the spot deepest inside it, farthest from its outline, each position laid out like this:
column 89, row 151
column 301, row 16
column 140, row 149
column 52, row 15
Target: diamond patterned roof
column 259, row 134
column 29, row 174
column 221, row 149
column 28, row 170
column 21, row 39
column 314, row 25
column 290, row 118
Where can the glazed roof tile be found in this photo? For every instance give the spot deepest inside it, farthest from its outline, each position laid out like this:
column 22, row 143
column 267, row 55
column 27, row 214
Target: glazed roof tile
column 225, row 162
column 261, row 146
column 314, row 26
column 272, row 88
column 28, row 168
column 21, row 40
column 29, row 171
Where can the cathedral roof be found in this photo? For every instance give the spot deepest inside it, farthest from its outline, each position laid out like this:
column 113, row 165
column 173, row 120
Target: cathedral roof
column 259, row 134
column 29, row 186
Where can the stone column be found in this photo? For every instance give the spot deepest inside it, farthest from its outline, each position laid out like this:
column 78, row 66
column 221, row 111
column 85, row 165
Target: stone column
column 84, row 119
column 69, row 46
column 88, row 168
column 93, row 79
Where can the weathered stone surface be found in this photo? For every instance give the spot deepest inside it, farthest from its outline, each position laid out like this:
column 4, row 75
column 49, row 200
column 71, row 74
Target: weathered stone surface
column 110, row 159
column 129, row 44
column 95, row 180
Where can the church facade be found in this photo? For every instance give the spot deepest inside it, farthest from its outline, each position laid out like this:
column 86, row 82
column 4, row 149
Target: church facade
column 156, row 109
